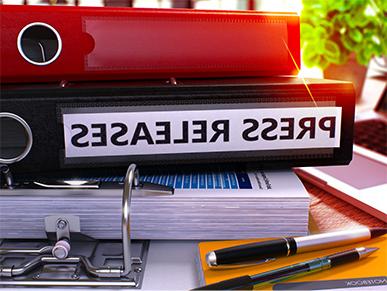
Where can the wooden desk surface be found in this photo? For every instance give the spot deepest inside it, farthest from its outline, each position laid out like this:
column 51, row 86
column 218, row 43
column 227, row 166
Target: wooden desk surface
column 329, row 213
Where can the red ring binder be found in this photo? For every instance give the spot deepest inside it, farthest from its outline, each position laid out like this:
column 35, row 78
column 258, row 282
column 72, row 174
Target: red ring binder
column 97, row 43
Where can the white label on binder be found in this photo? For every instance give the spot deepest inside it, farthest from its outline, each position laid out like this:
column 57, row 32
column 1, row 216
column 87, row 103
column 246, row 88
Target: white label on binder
column 200, row 131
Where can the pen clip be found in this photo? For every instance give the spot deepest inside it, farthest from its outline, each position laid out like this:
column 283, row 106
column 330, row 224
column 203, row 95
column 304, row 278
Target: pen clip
column 241, row 265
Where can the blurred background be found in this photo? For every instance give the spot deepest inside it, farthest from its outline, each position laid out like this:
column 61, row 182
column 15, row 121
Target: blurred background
column 340, row 39
column 294, row 5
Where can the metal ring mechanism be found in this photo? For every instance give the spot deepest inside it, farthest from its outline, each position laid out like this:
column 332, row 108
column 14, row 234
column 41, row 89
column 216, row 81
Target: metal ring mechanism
column 131, row 181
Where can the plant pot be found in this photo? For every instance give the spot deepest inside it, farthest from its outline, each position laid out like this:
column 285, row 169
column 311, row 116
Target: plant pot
column 351, row 71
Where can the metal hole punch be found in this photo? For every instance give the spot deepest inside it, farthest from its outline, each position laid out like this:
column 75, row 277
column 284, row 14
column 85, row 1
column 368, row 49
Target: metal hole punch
column 51, row 257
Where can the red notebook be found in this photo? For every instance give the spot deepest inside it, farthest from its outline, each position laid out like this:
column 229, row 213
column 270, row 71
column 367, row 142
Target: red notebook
column 42, row 43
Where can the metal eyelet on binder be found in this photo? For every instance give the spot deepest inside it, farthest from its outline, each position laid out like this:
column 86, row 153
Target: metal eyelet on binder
column 63, row 255
column 15, row 145
column 21, row 131
column 39, row 43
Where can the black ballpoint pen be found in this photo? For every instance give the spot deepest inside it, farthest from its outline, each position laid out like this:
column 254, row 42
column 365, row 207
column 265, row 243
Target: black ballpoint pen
column 266, row 250
column 300, row 269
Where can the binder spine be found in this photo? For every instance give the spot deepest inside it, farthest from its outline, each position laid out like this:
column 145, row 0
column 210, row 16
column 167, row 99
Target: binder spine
column 42, row 44
column 260, row 125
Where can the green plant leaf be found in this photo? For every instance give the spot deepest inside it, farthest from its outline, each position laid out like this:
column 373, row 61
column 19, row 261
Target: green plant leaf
column 328, row 27
column 309, row 50
column 313, row 61
column 331, row 51
column 310, row 55
column 355, row 35
column 336, row 28
column 357, row 3
column 361, row 20
column 320, row 33
column 383, row 5
column 347, row 42
column 361, row 58
column 339, row 5
column 307, row 32
column 349, row 20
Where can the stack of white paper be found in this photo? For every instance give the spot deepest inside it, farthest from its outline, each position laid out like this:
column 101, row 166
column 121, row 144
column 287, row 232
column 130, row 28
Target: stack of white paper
column 230, row 205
